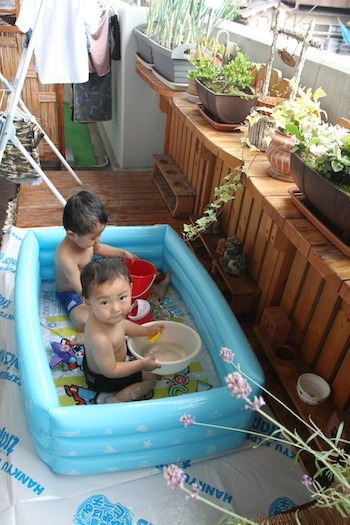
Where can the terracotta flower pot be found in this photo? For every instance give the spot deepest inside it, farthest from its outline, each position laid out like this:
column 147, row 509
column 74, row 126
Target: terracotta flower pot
column 269, row 101
column 328, row 199
column 278, row 154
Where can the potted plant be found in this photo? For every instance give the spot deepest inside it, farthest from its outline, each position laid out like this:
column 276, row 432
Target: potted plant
column 226, row 91
column 144, row 32
column 174, row 29
column 286, row 118
column 208, row 52
column 320, row 167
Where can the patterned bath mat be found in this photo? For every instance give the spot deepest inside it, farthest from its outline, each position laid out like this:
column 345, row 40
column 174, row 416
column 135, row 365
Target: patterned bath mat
column 69, row 379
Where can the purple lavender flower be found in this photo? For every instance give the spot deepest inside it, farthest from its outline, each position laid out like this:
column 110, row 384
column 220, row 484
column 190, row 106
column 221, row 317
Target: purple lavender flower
column 237, row 385
column 174, row 476
column 307, row 481
column 227, row 355
column 187, row 420
column 258, row 402
column 195, row 491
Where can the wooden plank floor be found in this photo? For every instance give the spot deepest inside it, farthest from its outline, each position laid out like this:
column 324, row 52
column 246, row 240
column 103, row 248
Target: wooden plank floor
column 8, row 192
column 130, row 197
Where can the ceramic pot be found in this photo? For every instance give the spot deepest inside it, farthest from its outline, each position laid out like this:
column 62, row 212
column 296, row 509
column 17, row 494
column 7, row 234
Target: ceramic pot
column 228, row 109
column 269, row 102
column 328, row 199
column 278, row 154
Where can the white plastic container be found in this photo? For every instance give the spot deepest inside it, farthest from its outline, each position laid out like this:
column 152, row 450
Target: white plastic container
column 312, row 389
column 177, row 346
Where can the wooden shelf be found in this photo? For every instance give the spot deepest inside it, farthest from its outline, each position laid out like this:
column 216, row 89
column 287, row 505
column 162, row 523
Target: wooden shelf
column 245, row 293
column 288, row 371
column 173, row 185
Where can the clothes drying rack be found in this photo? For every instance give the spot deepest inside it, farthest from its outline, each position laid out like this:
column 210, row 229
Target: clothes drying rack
column 15, row 106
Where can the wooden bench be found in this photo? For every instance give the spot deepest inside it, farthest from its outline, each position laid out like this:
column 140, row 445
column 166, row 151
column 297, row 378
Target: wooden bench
column 173, row 185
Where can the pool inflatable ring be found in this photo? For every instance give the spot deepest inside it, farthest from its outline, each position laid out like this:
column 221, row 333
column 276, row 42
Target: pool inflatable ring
column 105, row 438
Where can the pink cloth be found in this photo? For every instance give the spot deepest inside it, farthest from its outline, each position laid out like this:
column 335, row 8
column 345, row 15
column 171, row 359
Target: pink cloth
column 99, row 59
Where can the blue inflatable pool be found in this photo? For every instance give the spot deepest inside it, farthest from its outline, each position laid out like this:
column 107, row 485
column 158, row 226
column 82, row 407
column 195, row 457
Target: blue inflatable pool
column 105, row 438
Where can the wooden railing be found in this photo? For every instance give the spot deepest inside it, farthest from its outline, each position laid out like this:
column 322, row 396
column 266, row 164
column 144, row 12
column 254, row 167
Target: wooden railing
column 294, row 265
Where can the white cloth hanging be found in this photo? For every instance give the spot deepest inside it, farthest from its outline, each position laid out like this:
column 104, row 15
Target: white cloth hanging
column 61, row 53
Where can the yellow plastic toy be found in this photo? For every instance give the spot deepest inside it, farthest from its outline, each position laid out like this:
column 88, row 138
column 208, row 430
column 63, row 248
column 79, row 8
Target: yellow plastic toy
column 154, row 338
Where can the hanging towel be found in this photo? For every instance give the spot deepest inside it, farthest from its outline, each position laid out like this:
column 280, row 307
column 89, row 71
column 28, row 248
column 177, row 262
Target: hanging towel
column 115, row 29
column 99, row 59
column 61, row 54
column 14, row 167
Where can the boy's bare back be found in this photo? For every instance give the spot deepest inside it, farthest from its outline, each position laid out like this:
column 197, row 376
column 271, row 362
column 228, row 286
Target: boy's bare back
column 70, row 259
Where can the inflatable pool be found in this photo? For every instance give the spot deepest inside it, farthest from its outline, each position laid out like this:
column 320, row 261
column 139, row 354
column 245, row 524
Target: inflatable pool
column 105, row 438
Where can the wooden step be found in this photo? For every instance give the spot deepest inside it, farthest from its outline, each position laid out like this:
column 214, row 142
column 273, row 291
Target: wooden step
column 173, row 185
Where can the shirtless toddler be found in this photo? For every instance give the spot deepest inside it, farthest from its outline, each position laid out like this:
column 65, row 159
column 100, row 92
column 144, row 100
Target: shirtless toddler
column 84, row 219
column 106, row 288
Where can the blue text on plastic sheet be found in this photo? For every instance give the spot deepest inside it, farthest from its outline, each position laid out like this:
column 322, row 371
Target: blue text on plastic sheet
column 264, row 427
column 8, row 443
column 9, row 361
column 98, row 510
column 7, row 263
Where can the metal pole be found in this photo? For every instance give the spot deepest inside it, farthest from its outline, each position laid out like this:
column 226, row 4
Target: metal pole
column 46, row 138
column 20, row 77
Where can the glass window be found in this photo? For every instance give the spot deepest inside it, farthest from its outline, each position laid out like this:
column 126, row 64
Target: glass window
column 322, row 28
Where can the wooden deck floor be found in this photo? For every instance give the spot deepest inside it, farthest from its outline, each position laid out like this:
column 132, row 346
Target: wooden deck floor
column 130, row 197
column 133, row 199
column 8, row 192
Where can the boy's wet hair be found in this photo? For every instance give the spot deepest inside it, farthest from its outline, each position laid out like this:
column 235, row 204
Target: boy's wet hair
column 82, row 212
column 102, row 270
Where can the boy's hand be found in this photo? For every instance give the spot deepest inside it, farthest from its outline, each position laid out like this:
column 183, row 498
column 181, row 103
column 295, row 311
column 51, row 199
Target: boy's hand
column 130, row 256
column 150, row 363
column 155, row 329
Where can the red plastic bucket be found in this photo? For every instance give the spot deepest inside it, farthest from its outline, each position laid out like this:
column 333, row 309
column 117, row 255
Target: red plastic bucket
column 142, row 274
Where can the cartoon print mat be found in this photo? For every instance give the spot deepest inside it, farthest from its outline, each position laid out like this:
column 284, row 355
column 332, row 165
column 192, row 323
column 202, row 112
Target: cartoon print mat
column 70, row 382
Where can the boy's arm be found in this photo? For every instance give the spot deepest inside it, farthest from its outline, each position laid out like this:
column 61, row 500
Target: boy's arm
column 72, row 273
column 139, row 330
column 109, row 367
column 105, row 250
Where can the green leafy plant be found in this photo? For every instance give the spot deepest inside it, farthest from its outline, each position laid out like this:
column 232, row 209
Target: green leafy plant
column 233, row 78
column 291, row 113
column 222, row 194
column 208, row 53
column 175, row 22
column 326, row 149
column 333, row 463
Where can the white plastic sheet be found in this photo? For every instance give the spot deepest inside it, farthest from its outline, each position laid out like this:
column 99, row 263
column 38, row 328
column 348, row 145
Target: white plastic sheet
column 253, row 482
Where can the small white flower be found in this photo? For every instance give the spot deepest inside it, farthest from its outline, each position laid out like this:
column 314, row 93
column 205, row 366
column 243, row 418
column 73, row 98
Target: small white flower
column 318, row 149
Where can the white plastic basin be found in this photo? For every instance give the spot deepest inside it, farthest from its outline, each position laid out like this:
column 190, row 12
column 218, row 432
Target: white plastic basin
column 177, row 346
